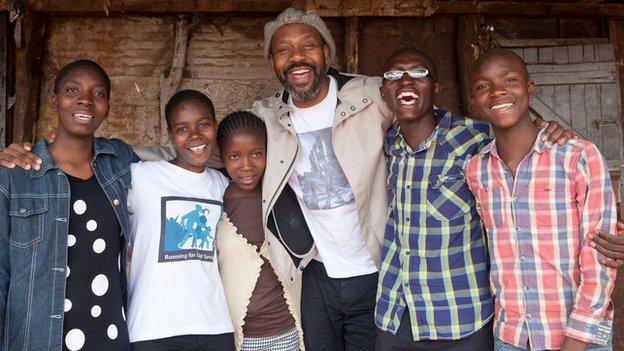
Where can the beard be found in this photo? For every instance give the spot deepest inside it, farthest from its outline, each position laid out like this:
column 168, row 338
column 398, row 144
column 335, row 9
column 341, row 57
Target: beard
column 297, row 92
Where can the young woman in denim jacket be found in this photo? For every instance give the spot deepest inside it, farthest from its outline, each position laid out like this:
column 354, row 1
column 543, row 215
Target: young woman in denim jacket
column 61, row 257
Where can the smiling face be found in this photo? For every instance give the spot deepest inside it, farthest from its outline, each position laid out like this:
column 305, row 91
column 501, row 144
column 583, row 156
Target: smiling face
column 300, row 59
column 81, row 103
column 500, row 89
column 408, row 98
column 244, row 158
column 193, row 131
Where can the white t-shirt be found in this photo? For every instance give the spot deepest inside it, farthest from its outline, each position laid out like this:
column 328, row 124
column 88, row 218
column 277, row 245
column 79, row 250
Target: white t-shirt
column 324, row 192
column 174, row 286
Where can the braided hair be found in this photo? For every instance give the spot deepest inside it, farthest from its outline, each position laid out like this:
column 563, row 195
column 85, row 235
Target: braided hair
column 237, row 121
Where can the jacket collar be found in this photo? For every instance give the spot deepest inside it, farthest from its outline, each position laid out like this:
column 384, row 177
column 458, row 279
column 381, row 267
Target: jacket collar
column 100, row 147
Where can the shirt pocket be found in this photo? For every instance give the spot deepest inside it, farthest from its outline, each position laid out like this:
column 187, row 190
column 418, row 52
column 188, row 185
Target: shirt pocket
column 27, row 220
column 448, row 197
column 490, row 206
column 554, row 208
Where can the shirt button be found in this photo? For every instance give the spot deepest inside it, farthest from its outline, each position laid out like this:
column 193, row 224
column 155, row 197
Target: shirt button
column 343, row 113
column 528, row 316
column 526, row 288
column 522, row 259
column 23, row 210
column 365, row 100
column 116, row 202
column 352, row 108
column 407, row 219
column 406, row 285
column 518, row 229
column 409, row 186
column 407, row 253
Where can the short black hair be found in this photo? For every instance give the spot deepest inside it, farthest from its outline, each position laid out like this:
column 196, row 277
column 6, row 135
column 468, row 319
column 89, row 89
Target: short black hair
column 83, row 63
column 237, row 121
column 187, row 95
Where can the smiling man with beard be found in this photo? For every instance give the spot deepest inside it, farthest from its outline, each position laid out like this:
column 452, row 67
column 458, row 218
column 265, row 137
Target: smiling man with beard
column 326, row 131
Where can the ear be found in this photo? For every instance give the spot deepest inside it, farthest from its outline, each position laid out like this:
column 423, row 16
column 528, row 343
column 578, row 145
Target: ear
column 170, row 133
column 326, row 53
column 54, row 102
column 531, row 88
column 437, row 88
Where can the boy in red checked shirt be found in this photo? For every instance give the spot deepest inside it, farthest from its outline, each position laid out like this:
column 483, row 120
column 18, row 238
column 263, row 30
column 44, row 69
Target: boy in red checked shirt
column 539, row 203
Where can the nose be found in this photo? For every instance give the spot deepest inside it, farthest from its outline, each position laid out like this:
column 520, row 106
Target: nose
column 406, row 79
column 85, row 98
column 499, row 90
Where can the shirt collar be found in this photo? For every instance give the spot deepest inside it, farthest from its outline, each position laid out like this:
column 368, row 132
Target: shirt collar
column 438, row 135
column 539, row 146
column 100, row 147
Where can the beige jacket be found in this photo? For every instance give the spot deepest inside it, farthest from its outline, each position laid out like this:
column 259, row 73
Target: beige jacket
column 360, row 124
column 239, row 267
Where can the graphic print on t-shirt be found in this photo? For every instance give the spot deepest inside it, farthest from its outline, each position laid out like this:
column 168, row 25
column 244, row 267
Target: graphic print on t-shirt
column 323, row 184
column 188, row 230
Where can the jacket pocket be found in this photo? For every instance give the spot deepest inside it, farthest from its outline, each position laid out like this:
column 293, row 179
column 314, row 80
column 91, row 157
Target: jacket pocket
column 27, row 220
column 448, row 197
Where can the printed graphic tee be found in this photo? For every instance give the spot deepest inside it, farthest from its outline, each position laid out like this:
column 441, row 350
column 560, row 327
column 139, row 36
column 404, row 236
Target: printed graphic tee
column 94, row 318
column 174, row 285
column 324, row 193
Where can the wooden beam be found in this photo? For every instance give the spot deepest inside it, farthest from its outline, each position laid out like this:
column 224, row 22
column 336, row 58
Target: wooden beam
column 333, row 8
column 4, row 32
column 169, row 85
column 28, row 56
column 523, row 43
column 158, row 6
column 351, row 44
column 468, row 49
column 616, row 36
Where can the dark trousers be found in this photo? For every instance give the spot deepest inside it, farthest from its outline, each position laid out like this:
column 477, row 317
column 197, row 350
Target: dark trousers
column 337, row 314
column 481, row 340
column 218, row 342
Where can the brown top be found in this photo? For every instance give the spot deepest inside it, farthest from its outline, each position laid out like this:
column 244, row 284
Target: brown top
column 267, row 312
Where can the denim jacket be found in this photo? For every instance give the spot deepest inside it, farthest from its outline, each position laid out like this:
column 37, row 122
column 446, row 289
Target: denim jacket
column 34, row 219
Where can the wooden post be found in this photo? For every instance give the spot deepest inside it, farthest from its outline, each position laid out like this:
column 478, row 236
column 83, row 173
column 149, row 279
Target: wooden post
column 616, row 37
column 351, row 44
column 4, row 26
column 169, row 85
column 28, row 55
column 468, row 49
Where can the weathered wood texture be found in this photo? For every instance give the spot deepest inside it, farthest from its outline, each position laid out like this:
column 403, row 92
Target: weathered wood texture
column 159, row 6
column 4, row 32
column 224, row 60
column 28, row 55
column 352, row 30
column 379, row 37
column 468, row 7
column 578, row 87
column 469, row 47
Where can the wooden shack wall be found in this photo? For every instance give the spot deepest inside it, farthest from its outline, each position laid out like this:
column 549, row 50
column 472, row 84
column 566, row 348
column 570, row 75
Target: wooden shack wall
column 225, row 60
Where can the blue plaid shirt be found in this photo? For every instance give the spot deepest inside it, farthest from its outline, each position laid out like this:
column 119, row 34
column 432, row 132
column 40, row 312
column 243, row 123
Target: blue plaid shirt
column 434, row 259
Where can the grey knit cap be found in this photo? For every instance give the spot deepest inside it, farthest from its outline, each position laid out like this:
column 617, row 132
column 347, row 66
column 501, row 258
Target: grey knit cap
column 292, row 15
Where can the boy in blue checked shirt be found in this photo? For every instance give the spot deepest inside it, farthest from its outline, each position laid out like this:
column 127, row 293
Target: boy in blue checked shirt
column 539, row 202
column 434, row 290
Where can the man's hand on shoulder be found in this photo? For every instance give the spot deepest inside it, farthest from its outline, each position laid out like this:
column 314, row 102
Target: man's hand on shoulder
column 19, row 155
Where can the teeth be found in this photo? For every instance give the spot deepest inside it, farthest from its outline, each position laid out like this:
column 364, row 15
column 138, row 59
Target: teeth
column 82, row 116
column 300, row 71
column 247, row 178
column 197, row 148
column 407, row 97
column 502, row 106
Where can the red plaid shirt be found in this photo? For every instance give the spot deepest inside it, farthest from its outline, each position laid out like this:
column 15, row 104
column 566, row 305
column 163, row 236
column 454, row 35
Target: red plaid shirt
column 547, row 280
